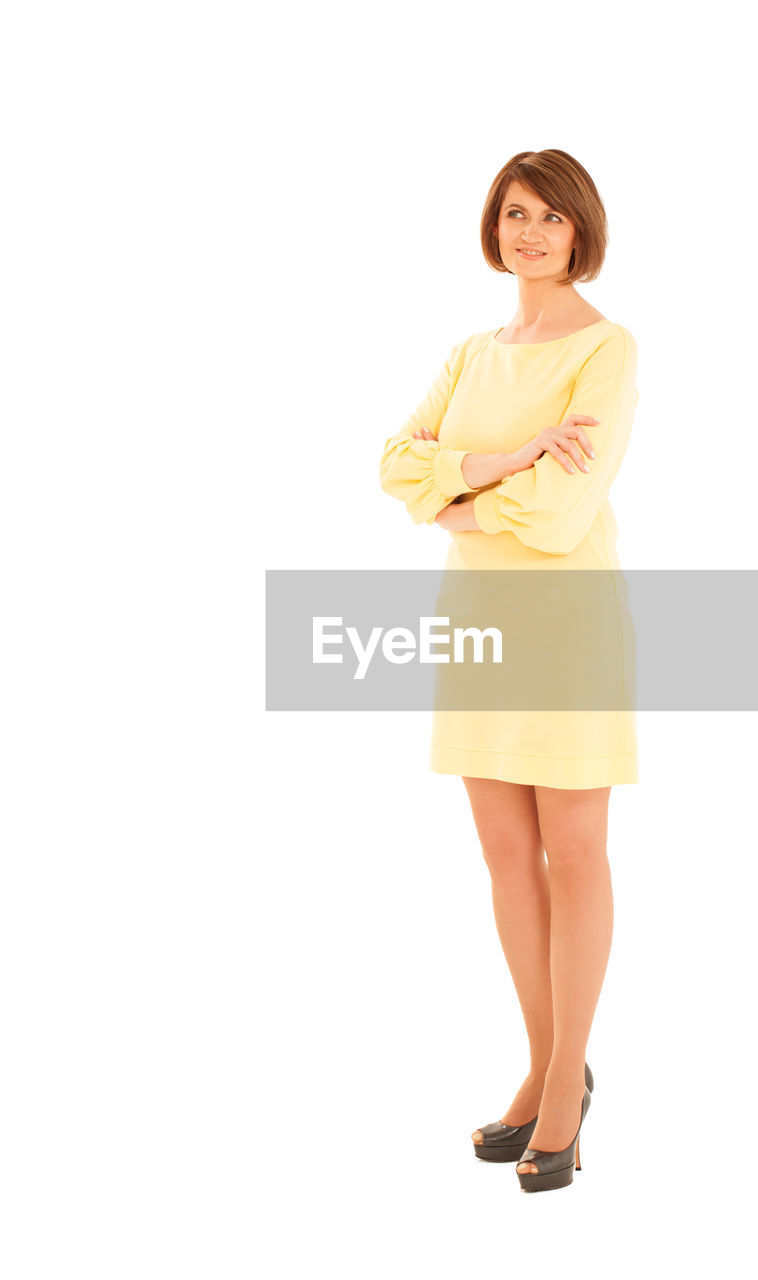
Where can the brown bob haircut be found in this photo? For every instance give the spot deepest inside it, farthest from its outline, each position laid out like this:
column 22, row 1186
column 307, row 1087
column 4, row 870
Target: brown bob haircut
column 564, row 185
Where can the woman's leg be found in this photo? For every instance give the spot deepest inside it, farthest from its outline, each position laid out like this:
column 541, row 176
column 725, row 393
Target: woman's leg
column 505, row 814
column 574, row 827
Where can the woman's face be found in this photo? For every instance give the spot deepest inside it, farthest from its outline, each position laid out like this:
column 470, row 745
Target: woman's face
column 525, row 223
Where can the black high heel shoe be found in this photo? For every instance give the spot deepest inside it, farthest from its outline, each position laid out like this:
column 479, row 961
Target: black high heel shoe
column 506, row 1142
column 556, row 1168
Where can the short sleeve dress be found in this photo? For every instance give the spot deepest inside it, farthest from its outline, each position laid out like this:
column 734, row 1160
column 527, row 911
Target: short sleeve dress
column 493, row 397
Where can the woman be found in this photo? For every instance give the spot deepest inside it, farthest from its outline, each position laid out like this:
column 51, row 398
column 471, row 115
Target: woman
column 482, row 457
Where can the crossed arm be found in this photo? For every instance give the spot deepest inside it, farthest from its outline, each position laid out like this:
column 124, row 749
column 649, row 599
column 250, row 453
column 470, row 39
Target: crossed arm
column 544, row 505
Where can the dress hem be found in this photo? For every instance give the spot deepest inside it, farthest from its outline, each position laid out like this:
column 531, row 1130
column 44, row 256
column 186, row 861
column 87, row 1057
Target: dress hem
column 542, row 771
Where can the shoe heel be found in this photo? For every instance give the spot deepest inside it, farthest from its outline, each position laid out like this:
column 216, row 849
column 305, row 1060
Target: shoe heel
column 578, row 1165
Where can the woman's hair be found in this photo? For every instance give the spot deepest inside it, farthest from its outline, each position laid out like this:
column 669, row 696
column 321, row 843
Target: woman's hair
column 559, row 180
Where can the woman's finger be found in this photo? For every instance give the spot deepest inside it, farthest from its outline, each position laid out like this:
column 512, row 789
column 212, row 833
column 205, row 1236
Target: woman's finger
column 586, row 443
column 571, row 447
column 559, row 455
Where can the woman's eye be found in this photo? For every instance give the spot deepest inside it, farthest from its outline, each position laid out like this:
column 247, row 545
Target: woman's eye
column 547, row 215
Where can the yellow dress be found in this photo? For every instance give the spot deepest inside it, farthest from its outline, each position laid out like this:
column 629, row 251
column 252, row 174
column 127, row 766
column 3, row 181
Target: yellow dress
column 492, row 397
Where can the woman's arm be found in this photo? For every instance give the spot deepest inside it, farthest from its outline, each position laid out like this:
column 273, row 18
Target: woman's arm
column 478, row 469
column 427, row 475
column 546, row 507
column 458, row 517
column 491, row 467
column 414, row 466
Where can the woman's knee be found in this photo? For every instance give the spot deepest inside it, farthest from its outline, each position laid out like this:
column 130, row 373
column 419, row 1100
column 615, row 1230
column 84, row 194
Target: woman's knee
column 574, row 826
column 511, row 853
column 575, row 856
column 507, row 823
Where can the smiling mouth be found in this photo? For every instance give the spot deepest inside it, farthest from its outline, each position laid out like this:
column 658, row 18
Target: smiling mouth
column 532, row 253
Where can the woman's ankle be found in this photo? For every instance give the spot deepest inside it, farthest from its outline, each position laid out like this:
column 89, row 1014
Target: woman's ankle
column 565, row 1070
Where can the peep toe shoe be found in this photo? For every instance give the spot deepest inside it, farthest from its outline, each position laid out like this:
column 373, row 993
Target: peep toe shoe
column 556, row 1168
column 506, row 1142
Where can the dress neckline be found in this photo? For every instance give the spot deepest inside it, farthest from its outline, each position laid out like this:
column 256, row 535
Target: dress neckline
column 550, row 341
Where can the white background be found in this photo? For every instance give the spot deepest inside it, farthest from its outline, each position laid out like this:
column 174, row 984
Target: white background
column 252, row 1002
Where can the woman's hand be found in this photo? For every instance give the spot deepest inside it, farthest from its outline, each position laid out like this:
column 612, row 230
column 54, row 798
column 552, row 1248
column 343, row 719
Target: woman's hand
column 559, row 441
column 458, row 516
